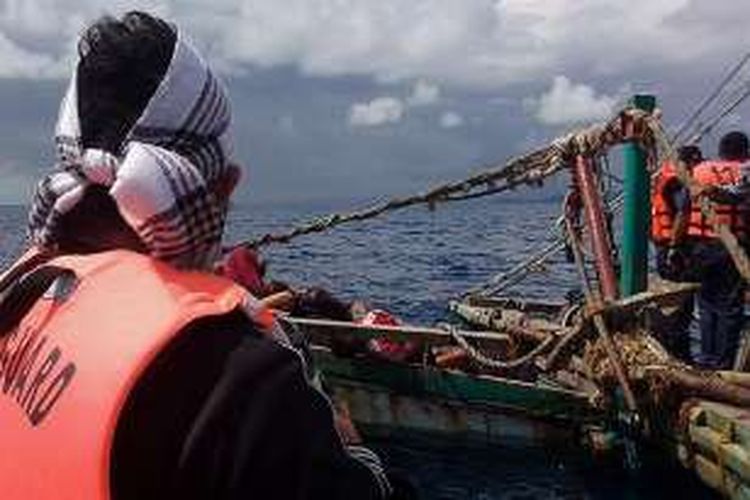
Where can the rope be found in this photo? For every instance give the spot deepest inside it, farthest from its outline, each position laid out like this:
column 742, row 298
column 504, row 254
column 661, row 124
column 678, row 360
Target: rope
column 528, row 169
column 504, row 280
column 507, row 279
column 498, row 283
column 731, row 106
column 711, row 97
column 489, row 361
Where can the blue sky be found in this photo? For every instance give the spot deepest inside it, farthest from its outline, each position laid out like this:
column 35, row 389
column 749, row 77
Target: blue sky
column 346, row 99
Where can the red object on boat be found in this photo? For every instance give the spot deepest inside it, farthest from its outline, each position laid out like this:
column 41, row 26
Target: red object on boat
column 245, row 267
column 383, row 347
column 380, row 317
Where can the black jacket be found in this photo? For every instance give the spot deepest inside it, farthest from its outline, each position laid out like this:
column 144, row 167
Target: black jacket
column 226, row 414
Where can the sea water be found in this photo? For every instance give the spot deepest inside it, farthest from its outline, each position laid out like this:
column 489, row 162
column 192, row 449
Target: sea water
column 412, row 263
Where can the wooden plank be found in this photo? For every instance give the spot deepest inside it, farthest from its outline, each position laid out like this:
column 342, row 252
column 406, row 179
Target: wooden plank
column 546, row 307
column 322, row 331
column 511, row 321
column 666, row 293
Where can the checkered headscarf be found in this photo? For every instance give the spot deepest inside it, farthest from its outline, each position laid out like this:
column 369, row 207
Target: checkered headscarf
column 160, row 182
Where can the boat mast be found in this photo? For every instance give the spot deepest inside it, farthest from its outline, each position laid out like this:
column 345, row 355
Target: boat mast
column 637, row 211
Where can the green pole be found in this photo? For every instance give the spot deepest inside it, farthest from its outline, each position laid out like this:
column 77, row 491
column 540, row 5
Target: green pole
column 636, row 212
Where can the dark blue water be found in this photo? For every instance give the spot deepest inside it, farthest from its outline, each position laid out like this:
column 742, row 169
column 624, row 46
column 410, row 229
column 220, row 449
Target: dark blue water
column 412, row 263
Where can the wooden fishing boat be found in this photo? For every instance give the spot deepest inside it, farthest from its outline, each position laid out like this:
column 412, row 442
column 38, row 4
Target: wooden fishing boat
column 387, row 397
column 544, row 370
column 530, row 396
column 551, row 404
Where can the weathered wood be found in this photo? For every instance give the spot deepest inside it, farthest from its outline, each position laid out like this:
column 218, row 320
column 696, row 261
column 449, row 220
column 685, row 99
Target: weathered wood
column 735, row 377
column 714, row 443
column 531, row 307
column 715, row 477
column 455, row 387
column 380, row 413
column 709, row 387
column 509, row 321
column 614, row 357
column 725, row 419
column 578, row 383
column 742, row 358
column 323, row 331
column 662, row 294
column 562, row 348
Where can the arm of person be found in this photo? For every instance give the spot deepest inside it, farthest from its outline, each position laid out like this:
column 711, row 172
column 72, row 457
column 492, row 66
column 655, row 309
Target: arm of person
column 730, row 194
column 680, row 200
column 264, row 432
column 282, row 301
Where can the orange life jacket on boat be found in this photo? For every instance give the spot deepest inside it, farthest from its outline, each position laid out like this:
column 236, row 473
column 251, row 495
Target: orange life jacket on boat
column 735, row 216
column 662, row 215
column 69, row 366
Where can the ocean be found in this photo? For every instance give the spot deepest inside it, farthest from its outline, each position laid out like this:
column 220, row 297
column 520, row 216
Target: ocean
column 412, row 263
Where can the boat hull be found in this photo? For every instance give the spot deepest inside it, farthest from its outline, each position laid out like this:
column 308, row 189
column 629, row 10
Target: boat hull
column 386, row 399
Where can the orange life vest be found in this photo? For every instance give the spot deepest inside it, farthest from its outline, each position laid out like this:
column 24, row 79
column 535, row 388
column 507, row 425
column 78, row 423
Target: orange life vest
column 68, row 368
column 735, row 216
column 662, row 215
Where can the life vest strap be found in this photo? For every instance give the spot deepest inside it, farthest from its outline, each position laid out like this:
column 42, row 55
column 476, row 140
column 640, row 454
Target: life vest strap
column 22, row 294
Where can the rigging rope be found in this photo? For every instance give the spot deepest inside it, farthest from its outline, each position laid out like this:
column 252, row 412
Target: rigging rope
column 528, row 169
column 710, row 98
column 500, row 282
column 741, row 95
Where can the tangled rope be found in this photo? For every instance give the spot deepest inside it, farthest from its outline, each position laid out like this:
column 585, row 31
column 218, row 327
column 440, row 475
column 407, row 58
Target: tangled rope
column 488, row 361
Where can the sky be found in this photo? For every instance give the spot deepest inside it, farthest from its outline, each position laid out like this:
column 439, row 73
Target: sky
column 353, row 99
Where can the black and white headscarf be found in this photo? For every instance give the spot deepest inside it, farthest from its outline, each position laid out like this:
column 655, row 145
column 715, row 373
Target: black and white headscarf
column 160, row 182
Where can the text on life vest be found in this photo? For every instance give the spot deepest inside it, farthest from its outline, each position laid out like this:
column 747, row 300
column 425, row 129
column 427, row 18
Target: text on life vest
column 33, row 372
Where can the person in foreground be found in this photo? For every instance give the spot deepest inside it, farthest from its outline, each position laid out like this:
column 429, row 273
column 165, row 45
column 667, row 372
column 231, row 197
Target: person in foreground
column 139, row 374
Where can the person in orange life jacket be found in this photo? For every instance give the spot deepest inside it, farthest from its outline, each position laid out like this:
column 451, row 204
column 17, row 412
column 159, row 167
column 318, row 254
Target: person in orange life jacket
column 670, row 214
column 721, row 295
column 225, row 411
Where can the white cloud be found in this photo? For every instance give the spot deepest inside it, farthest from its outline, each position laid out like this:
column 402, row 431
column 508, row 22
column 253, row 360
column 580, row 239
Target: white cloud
column 423, row 94
column 566, row 102
column 379, row 111
column 470, row 43
column 450, row 119
column 17, row 62
column 476, row 43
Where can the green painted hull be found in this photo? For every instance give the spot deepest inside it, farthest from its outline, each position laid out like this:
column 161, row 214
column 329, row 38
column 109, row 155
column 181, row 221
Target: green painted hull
column 390, row 398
